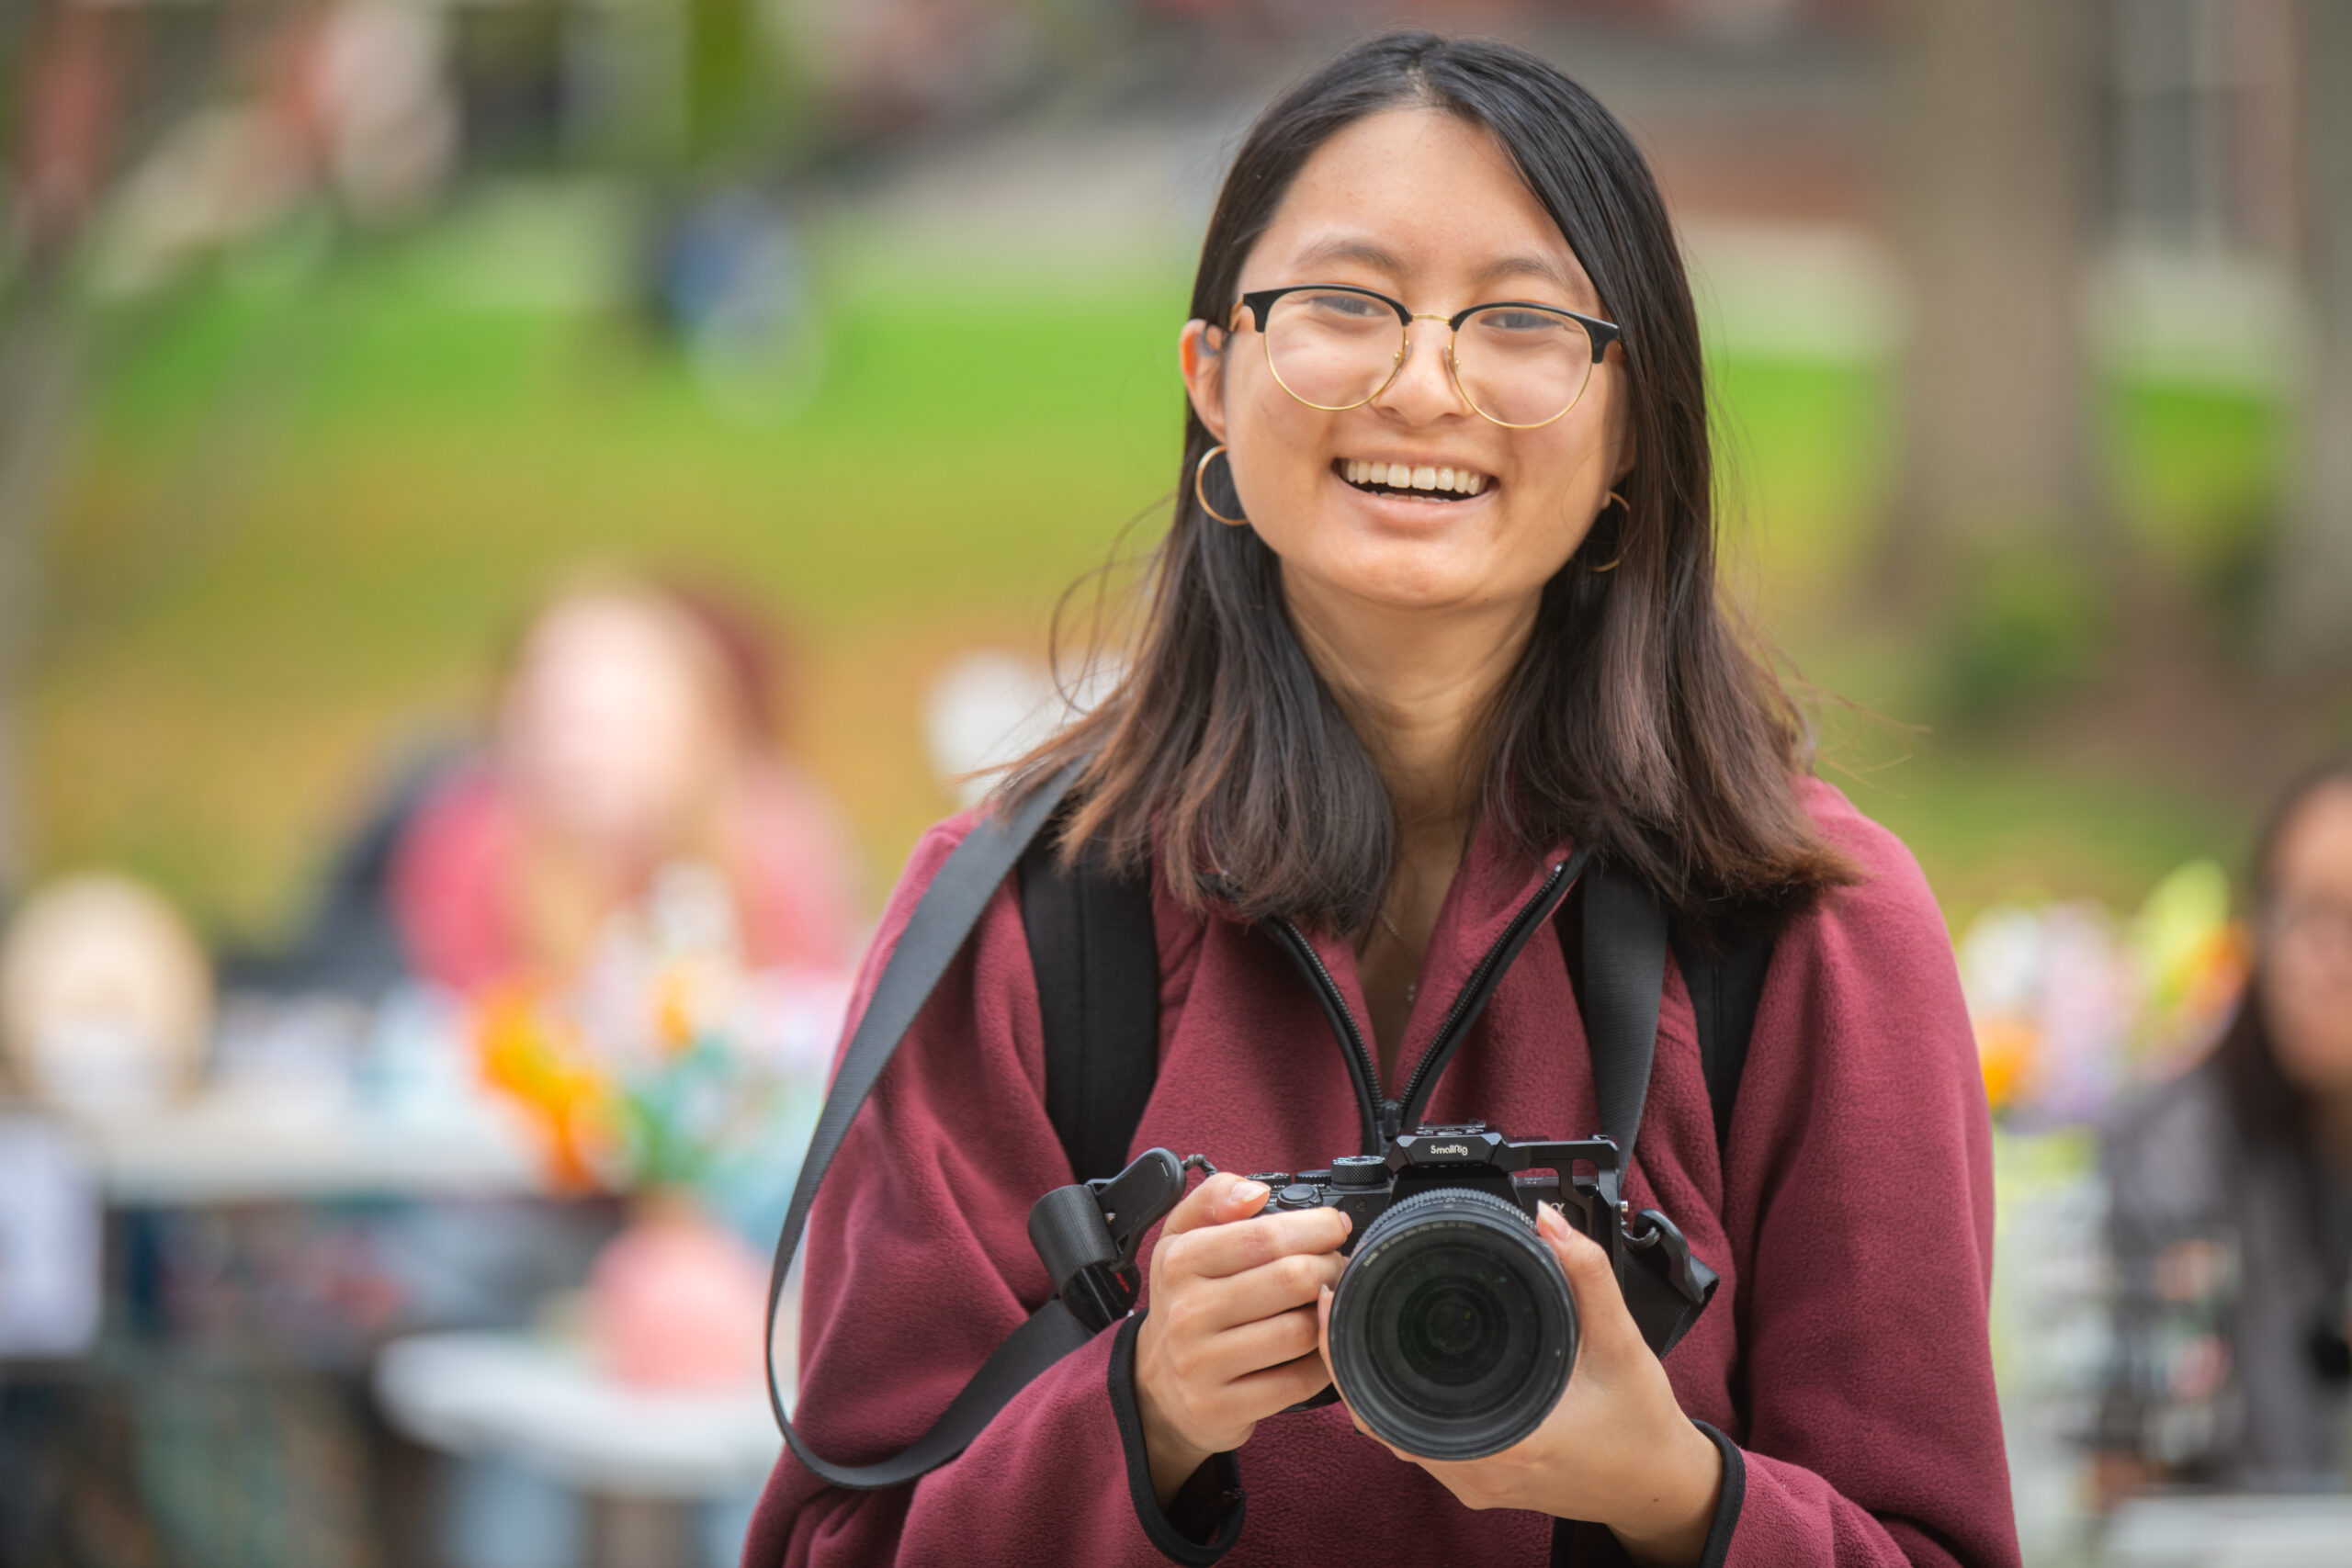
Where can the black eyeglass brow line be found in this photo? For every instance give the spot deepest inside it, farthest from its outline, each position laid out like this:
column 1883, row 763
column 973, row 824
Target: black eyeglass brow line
column 1259, row 302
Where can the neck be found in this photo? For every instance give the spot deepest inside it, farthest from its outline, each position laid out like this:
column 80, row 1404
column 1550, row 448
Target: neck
column 1418, row 685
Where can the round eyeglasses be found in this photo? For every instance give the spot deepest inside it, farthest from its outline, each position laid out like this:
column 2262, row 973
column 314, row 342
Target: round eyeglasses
column 1334, row 346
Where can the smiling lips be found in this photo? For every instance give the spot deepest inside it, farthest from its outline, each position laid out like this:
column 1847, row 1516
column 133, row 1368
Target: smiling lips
column 1424, row 481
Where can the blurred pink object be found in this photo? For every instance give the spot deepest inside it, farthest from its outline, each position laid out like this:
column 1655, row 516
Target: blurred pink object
column 678, row 1301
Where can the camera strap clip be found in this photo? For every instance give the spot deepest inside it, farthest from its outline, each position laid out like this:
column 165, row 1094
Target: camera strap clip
column 1087, row 1234
column 1664, row 1285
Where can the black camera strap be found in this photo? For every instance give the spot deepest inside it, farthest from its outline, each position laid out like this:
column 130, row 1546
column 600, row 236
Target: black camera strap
column 948, row 910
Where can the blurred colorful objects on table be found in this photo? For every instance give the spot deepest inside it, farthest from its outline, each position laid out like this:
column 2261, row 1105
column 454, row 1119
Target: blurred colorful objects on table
column 530, row 1051
column 2072, row 1006
column 669, row 1061
column 672, row 1071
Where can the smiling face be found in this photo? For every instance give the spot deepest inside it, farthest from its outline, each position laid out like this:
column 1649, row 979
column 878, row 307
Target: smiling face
column 1425, row 206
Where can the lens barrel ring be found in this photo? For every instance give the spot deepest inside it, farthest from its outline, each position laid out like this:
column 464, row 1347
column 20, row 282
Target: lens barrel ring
column 1453, row 1330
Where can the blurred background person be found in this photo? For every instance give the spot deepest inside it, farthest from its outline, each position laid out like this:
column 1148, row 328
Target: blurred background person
column 634, row 730
column 2231, row 1193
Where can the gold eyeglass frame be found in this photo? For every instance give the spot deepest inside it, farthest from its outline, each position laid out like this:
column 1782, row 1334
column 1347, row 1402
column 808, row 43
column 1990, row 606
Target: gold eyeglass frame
column 1259, row 303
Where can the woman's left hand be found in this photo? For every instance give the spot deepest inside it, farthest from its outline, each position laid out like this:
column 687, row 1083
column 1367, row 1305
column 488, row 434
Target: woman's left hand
column 1616, row 1449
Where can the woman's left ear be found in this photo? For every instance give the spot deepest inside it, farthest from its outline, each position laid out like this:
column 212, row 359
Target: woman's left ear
column 1200, row 354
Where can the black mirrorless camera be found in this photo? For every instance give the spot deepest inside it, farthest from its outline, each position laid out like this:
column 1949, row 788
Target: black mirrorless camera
column 1453, row 1328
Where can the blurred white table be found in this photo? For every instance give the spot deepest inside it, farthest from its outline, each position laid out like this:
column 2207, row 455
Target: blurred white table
column 546, row 1407
column 2230, row 1531
column 227, row 1146
column 640, row 1456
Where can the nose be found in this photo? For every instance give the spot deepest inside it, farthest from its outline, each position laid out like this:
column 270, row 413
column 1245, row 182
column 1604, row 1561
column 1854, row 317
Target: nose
column 1422, row 391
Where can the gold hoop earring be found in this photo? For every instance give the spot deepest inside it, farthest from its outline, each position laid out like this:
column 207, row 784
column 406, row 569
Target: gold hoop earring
column 1626, row 507
column 1200, row 488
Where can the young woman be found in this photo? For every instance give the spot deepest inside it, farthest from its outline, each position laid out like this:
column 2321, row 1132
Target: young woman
column 1436, row 604
column 2232, row 1203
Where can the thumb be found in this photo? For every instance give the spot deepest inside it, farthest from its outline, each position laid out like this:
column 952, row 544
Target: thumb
column 1218, row 1201
column 1601, row 1312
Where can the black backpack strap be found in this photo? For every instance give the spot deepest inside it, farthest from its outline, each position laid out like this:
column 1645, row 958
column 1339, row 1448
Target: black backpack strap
column 950, row 908
column 1096, row 954
column 1726, row 983
column 1624, row 976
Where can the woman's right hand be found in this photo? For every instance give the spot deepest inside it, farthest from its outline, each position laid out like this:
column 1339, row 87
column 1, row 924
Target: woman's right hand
column 1230, row 1337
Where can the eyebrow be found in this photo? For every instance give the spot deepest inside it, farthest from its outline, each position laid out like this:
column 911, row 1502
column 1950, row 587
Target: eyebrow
column 1362, row 251
column 1544, row 268
column 1370, row 254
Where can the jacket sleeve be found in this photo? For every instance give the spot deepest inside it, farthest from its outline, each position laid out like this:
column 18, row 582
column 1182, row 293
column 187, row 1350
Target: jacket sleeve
column 1858, row 1193
column 917, row 1264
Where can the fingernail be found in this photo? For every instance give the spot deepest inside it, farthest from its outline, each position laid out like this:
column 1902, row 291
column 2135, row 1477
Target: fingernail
column 1550, row 1221
column 1248, row 1192
column 1347, row 1225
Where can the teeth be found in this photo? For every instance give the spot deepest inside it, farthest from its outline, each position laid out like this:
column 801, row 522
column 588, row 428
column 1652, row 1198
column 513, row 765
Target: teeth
column 1402, row 476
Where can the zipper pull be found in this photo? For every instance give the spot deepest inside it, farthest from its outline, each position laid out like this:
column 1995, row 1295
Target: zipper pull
column 1392, row 1118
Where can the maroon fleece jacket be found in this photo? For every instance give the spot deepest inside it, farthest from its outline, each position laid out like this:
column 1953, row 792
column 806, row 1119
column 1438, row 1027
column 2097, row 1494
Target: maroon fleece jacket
column 1843, row 1364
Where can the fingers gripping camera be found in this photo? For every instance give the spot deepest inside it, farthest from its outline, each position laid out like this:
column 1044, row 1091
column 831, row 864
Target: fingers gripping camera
column 1454, row 1332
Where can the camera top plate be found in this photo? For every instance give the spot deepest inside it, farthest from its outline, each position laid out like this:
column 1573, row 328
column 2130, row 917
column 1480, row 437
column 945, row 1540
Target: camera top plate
column 1473, row 1143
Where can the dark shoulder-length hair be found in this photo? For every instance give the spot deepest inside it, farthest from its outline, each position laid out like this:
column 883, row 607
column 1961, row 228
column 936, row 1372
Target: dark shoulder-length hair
column 1636, row 721
column 2265, row 1108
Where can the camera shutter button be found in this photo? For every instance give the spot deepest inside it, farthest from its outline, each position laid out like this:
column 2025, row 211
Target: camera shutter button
column 1298, row 1195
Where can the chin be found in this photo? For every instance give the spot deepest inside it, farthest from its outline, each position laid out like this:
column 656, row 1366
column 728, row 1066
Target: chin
column 1412, row 577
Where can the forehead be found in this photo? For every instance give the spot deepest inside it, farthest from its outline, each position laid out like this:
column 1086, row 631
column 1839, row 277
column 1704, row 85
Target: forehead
column 1425, row 202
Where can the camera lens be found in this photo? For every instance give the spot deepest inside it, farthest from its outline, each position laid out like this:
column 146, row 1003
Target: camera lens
column 1452, row 1331
column 1452, row 1328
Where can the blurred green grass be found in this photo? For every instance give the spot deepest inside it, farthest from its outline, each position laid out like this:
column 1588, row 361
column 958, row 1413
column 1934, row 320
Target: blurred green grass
column 310, row 500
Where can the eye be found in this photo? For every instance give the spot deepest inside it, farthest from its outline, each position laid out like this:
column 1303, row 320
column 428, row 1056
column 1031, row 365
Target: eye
column 1510, row 320
column 1339, row 307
